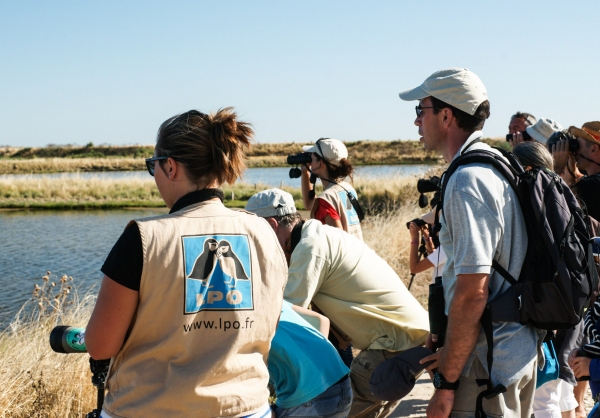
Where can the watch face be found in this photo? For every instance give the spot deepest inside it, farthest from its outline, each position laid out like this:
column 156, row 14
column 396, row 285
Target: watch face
column 437, row 380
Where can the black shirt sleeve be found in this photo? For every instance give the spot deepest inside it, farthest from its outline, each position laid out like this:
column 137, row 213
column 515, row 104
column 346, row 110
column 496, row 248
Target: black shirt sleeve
column 125, row 261
column 588, row 190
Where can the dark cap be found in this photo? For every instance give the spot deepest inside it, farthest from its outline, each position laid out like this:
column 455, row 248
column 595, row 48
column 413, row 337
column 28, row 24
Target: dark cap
column 393, row 379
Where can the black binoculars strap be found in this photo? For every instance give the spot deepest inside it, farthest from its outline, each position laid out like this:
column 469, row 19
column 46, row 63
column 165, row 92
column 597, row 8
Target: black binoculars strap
column 491, row 391
column 353, row 201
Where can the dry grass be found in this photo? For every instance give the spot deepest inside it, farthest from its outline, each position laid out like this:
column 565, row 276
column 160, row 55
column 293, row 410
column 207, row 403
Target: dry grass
column 59, row 165
column 35, row 381
column 67, row 159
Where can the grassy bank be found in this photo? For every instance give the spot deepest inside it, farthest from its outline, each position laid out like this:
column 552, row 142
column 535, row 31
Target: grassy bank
column 67, row 159
column 36, row 382
column 375, row 195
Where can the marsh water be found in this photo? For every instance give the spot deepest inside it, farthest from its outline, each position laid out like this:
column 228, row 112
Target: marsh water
column 75, row 243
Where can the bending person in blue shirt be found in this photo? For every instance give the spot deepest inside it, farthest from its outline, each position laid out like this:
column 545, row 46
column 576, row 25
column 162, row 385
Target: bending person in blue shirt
column 309, row 377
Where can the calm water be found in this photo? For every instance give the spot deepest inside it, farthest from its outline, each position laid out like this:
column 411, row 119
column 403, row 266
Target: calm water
column 267, row 176
column 76, row 243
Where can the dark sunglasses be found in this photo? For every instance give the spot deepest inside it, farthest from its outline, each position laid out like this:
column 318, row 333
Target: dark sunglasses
column 419, row 109
column 151, row 164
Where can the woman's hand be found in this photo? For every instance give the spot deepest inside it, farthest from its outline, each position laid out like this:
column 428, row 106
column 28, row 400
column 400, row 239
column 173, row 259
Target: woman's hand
column 414, row 231
column 427, row 238
column 581, row 366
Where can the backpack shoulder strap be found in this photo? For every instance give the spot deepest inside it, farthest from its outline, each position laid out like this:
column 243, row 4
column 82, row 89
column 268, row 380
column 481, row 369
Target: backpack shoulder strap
column 355, row 204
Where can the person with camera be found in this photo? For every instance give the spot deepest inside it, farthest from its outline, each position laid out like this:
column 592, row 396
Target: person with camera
column 333, row 207
column 517, row 128
column 357, row 290
column 436, row 257
column 190, row 300
column 481, row 223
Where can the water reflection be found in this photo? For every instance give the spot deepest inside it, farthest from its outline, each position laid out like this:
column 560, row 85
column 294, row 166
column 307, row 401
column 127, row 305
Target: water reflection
column 267, row 176
column 74, row 243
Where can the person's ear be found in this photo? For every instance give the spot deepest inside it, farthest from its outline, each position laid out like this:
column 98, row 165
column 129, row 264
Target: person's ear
column 171, row 168
column 273, row 223
column 446, row 117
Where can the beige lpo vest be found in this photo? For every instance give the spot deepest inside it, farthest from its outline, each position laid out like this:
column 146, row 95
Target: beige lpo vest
column 336, row 196
column 209, row 300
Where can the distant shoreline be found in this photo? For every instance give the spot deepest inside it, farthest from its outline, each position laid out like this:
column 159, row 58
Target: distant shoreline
column 91, row 158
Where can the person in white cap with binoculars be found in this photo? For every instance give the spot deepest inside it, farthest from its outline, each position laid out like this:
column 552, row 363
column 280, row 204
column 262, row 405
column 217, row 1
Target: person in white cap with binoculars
column 365, row 300
column 334, row 206
column 482, row 222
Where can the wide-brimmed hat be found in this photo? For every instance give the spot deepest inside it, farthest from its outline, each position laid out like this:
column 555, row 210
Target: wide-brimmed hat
column 271, row 202
column 457, row 87
column 590, row 131
column 395, row 378
column 331, row 150
column 543, row 129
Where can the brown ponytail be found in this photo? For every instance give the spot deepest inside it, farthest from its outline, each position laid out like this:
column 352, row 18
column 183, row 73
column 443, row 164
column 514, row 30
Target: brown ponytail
column 212, row 145
column 342, row 170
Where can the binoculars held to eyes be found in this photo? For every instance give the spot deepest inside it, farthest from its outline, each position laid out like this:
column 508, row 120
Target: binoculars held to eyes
column 298, row 159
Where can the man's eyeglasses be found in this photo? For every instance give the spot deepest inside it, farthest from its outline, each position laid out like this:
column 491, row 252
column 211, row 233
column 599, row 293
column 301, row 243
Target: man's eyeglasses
column 420, row 109
column 151, row 162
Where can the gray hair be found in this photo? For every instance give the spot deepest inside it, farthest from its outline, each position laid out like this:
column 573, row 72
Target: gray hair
column 289, row 220
column 533, row 154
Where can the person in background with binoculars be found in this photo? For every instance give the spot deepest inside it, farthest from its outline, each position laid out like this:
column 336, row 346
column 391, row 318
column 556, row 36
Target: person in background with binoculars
column 436, row 257
column 332, row 207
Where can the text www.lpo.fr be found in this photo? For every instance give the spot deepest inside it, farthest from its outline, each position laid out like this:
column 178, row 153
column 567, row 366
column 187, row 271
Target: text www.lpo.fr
column 224, row 325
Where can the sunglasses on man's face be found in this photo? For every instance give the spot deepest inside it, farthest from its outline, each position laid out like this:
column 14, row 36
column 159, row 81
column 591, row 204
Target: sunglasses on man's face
column 151, row 162
column 419, row 109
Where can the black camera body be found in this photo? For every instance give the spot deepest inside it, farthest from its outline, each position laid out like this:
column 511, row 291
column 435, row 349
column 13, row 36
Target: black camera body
column 298, row 159
column 526, row 136
column 420, row 222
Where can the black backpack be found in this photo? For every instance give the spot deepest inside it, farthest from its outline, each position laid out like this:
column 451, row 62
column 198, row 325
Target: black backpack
column 558, row 275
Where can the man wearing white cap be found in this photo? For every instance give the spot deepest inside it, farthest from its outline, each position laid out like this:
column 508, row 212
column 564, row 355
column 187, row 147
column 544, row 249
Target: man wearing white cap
column 357, row 290
column 482, row 221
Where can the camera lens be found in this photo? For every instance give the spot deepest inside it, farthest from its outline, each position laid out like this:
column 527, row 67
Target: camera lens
column 295, row 173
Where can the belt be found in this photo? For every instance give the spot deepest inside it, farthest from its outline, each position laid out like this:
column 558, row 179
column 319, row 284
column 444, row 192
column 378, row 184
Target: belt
column 343, row 379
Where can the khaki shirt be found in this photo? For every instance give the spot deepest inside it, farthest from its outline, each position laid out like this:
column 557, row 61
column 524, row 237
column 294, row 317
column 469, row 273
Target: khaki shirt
column 209, row 300
column 356, row 289
column 335, row 194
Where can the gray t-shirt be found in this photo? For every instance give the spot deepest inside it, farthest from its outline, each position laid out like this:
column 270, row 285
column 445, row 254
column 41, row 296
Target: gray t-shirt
column 483, row 221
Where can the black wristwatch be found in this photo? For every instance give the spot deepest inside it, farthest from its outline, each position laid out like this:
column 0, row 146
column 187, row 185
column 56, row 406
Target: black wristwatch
column 440, row 383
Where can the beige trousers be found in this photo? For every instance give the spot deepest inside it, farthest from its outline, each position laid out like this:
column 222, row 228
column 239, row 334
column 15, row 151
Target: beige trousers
column 516, row 402
column 365, row 405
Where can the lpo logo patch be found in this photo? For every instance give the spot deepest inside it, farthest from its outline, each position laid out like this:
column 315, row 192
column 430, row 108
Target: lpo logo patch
column 350, row 211
column 218, row 273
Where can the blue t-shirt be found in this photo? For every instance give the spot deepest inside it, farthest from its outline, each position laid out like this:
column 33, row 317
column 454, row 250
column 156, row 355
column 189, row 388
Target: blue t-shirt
column 302, row 362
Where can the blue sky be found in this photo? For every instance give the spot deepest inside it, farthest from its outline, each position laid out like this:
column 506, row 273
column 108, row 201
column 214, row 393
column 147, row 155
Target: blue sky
column 113, row 71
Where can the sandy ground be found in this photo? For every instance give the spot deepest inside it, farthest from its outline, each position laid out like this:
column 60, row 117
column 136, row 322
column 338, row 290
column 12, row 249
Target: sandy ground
column 415, row 404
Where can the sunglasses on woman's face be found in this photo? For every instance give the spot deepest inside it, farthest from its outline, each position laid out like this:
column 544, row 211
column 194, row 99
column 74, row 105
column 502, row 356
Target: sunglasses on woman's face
column 151, row 163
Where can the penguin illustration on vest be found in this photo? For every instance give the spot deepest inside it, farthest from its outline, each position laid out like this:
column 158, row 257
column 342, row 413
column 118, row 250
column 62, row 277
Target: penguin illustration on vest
column 230, row 263
column 218, row 252
column 205, row 263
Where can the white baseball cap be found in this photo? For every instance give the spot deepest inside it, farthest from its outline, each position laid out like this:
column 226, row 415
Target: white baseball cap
column 543, row 129
column 271, row 202
column 458, row 87
column 330, row 149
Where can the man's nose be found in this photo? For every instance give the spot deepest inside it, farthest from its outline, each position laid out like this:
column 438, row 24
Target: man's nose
column 418, row 121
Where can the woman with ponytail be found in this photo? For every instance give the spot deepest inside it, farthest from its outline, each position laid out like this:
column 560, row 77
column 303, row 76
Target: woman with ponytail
column 190, row 300
column 332, row 207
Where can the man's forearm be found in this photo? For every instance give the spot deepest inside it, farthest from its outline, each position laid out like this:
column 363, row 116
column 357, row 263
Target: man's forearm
column 464, row 325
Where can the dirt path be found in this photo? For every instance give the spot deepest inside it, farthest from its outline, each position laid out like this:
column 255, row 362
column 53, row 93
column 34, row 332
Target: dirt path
column 415, row 403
